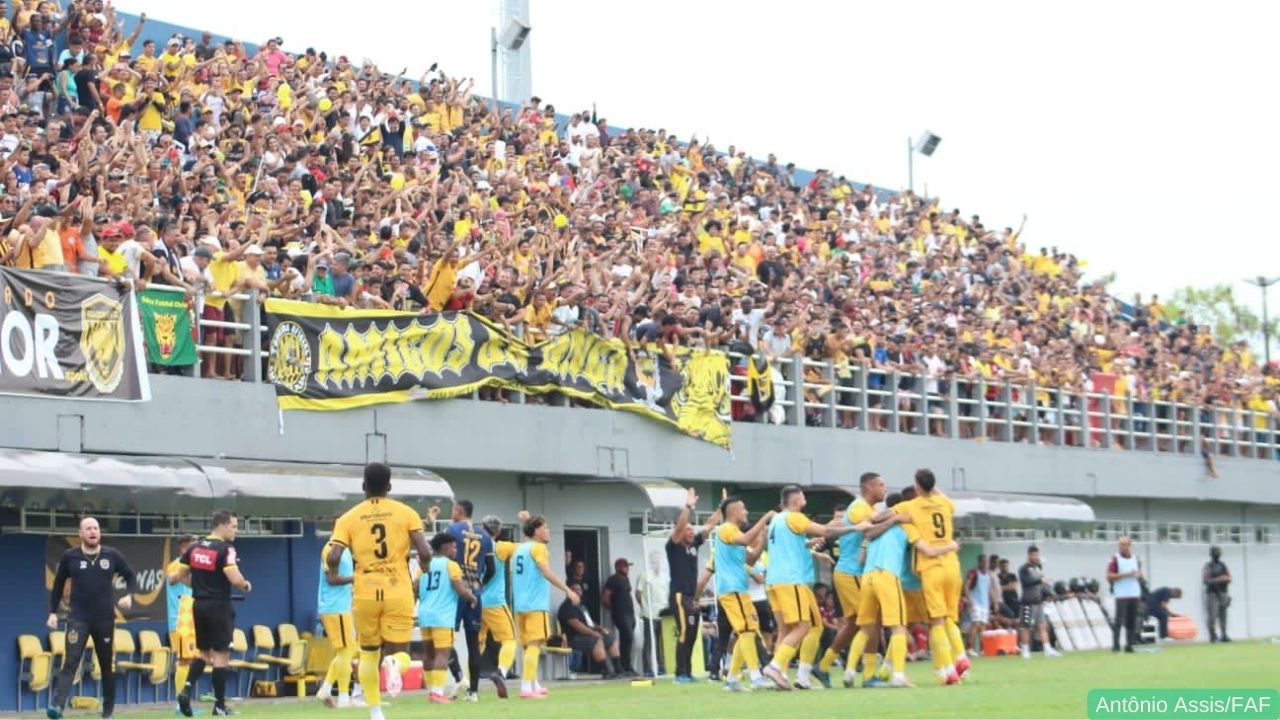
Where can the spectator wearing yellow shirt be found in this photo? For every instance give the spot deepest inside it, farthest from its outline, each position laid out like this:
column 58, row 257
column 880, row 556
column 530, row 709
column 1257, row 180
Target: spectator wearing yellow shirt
column 225, row 269
column 150, row 109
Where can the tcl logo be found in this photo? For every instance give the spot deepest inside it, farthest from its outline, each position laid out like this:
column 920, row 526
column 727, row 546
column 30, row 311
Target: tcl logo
column 204, row 559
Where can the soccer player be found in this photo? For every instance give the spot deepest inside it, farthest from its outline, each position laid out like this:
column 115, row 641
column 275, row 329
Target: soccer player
column 333, row 604
column 847, row 577
column 931, row 512
column 531, row 581
column 213, row 569
column 182, row 631
column 474, row 550
column 735, row 552
column 788, row 583
column 888, row 559
column 496, row 620
column 440, row 589
column 379, row 533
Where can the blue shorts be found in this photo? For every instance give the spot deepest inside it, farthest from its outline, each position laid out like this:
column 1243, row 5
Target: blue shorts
column 469, row 617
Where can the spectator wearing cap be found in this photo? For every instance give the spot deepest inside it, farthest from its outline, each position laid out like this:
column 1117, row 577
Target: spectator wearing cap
column 616, row 597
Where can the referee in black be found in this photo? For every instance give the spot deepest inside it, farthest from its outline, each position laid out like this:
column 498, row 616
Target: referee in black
column 92, row 569
column 213, row 569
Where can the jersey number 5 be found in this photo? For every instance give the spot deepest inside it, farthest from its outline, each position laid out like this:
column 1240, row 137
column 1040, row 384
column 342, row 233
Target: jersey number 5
column 519, row 564
column 939, row 525
column 380, row 536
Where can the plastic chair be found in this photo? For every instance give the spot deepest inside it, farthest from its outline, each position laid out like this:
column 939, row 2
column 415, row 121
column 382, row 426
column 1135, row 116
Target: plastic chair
column 241, row 664
column 128, row 667
column 264, row 647
column 35, row 668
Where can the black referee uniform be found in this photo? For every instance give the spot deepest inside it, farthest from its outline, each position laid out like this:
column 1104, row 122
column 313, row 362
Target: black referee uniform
column 92, row 615
column 213, row 616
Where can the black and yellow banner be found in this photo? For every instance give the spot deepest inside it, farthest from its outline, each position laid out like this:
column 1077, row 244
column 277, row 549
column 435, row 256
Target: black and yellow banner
column 64, row 335
column 324, row 358
column 148, row 557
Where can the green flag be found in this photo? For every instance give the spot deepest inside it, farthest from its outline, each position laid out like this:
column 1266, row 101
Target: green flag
column 166, row 325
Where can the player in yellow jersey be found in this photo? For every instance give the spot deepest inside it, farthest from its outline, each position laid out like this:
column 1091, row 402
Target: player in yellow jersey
column 931, row 512
column 379, row 532
column 496, row 620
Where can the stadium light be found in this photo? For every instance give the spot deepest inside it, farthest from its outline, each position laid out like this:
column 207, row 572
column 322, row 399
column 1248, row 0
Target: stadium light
column 513, row 37
column 1263, row 283
column 926, row 145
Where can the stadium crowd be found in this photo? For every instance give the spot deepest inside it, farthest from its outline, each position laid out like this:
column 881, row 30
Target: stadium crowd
column 205, row 166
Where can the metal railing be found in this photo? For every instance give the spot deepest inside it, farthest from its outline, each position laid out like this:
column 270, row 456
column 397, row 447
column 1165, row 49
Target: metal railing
column 816, row 393
column 1139, row 531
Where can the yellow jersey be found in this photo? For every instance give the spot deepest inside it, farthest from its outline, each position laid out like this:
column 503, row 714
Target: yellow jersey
column 377, row 532
column 932, row 516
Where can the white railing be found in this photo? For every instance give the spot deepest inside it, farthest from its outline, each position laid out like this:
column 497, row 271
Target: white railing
column 817, row 393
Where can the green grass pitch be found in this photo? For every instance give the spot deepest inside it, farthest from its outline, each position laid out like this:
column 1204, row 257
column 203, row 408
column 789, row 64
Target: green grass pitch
column 1006, row 687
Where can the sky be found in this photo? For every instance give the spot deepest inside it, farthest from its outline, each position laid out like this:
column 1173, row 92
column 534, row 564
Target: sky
column 1136, row 135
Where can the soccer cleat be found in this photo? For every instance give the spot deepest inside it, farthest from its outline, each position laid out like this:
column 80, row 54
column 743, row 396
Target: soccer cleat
column 531, row 695
column 874, row 682
column 222, row 711
column 208, row 697
column 824, row 677
column 802, row 685
column 735, row 685
column 184, row 706
column 344, row 701
column 900, row 681
column 1050, row 652
column 761, row 683
column 438, row 699
column 328, row 699
column 1026, row 652
column 963, row 665
column 500, row 683
column 952, row 677
column 850, row 678
column 685, row 680
column 778, row 677
column 53, row 713
column 471, row 697
column 540, row 690
column 395, row 682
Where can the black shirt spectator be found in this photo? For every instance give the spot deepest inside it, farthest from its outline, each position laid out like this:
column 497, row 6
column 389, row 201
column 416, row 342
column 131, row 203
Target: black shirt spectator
column 1008, row 595
column 621, row 601
column 86, row 78
column 1031, row 577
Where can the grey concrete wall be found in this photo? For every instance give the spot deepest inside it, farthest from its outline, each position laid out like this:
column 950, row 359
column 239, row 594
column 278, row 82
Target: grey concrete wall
column 204, row 418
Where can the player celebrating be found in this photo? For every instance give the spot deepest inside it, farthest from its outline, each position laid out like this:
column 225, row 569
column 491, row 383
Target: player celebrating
column 931, row 512
column 495, row 615
column 531, row 581
column 474, row 550
column 790, row 593
column 887, row 560
column 379, row 533
column 735, row 551
column 440, row 589
column 333, row 604
column 847, row 578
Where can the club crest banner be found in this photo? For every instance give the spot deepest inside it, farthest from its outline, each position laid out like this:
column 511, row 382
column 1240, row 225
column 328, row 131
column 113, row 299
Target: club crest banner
column 324, row 358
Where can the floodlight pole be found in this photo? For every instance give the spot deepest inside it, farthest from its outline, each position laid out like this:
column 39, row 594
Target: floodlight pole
column 493, row 66
column 911, row 166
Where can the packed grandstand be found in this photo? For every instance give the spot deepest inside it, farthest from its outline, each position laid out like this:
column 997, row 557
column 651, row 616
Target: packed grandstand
column 200, row 165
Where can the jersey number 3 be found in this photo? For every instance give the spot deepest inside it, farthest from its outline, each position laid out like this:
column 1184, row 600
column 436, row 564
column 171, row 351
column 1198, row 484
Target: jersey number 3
column 939, row 525
column 380, row 536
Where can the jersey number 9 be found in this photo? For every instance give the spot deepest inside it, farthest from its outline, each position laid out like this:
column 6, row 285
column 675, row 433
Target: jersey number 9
column 939, row 525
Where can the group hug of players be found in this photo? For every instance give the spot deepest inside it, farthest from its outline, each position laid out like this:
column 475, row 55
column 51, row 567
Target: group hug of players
column 896, row 565
column 889, row 560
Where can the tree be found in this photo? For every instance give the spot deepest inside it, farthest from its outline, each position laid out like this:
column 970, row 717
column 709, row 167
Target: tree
column 1217, row 307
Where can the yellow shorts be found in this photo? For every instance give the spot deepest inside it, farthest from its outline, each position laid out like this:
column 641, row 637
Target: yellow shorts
column 340, row 629
column 497, row 622
column 942, row 585
column 882, row 598
column 439, row 637
column 849, row 592
column 184, row 645
column 389, row 620
column 535, row 627
column 794, row 603
column 917, row 611
column 740, row 612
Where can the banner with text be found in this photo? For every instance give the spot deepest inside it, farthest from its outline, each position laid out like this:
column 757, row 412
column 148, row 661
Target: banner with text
column 166, row 325
column 68, row 336
column 323, row 358
column 147, row 556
